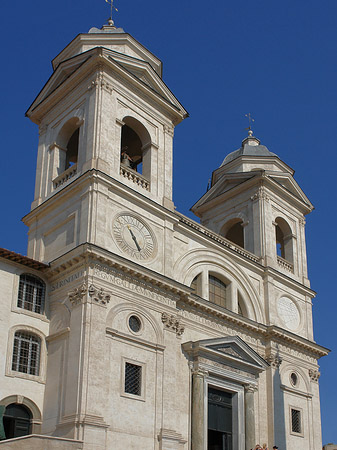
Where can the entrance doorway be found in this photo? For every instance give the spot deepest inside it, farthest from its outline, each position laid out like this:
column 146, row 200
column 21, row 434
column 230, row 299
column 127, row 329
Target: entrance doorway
column 220, row 422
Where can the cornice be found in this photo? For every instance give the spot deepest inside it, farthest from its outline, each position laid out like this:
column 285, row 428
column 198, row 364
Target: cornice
column 90, row 253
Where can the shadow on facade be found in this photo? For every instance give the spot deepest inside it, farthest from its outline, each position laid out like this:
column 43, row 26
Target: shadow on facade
column 279, row 411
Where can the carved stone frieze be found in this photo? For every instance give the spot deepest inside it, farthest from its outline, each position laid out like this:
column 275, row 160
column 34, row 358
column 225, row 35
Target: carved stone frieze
column 139, row 287
column 274, row 360
column 77, row 295
column 99, row 295
column 314, row 375
column 172, row 323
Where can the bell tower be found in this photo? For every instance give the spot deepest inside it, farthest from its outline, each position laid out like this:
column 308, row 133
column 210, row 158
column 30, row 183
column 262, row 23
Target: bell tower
column 255, row 202
column 106, row 122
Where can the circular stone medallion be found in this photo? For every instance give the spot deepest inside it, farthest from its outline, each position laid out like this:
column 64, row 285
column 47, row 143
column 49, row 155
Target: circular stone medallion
column 288, row 313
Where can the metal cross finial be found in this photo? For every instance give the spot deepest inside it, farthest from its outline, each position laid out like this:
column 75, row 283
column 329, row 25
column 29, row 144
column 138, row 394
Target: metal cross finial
column 250, row 119
column 112, row 6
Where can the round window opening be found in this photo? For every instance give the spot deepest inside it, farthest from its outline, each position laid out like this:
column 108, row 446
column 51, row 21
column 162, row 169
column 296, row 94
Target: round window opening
column 135, row 324
column 294, row 379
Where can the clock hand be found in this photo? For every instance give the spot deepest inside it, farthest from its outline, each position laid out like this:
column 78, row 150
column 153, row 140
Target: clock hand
column 134, row 238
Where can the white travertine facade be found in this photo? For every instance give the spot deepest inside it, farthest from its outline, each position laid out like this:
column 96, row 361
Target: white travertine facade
column 158, row 332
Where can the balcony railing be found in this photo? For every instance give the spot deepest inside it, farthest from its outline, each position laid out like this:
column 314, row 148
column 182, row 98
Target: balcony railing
column 65, row 176
column 134, row 176
column 285, row 264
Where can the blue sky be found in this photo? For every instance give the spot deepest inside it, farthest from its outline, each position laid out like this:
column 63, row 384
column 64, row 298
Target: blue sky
column 222, row 59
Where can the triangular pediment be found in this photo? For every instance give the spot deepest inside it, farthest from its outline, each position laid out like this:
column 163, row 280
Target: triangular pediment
column 283, row 183
column 223, row 185
column 138, row 71
column 290, row 185
column 229, row 351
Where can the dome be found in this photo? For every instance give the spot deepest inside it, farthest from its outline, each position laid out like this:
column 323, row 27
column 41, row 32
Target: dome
column 250, row 147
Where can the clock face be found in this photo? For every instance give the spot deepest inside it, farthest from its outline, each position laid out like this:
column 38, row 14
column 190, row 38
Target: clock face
column 133, row 236
column 288, row 312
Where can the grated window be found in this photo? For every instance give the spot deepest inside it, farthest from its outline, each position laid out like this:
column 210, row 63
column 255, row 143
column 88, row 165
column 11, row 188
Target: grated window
column 31, row 293
column 133, row 379
column 26, row 353
column 296, row 421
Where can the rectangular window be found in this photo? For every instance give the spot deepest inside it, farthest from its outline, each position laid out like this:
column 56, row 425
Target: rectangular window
column 296, row 425
column 133, row 379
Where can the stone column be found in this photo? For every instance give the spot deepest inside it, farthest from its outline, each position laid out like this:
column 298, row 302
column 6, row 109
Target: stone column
column 250, row 416
column 198, row 409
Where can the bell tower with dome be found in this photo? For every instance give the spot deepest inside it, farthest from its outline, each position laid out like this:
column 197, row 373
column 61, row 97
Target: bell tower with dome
column 255, row 202
column 130, row 325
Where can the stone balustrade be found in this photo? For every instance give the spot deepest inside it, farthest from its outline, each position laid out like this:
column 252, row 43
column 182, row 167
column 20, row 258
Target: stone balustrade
column 134, row 176
column 65, row 176
column 285, row 264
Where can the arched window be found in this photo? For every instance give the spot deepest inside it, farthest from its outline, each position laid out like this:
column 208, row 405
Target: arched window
column 217, row 291
column 284, row 239
column 26, row 353
column 194, row 284
column 136, row 146
column 72, row 149
column 233, row 231
column 67, row 145
column 31, row 293
column 17, row 421
column 131, row 149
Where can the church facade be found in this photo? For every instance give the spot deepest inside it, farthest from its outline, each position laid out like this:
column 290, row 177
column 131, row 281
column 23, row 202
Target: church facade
column 129, row 325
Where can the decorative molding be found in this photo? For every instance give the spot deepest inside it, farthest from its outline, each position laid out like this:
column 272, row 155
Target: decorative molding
column 274, row 360
column 100, row 82
column 314, row 375
column 197, row 371
column 99, row 295
column 172, row 323
column 76, row 296
column 260, row 195
column 171, row 437
column 251, row 388
column 302, row 221
column 169, row 130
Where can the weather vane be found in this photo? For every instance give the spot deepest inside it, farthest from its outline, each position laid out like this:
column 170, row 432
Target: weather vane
column 250, row 119
column 112, row 6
